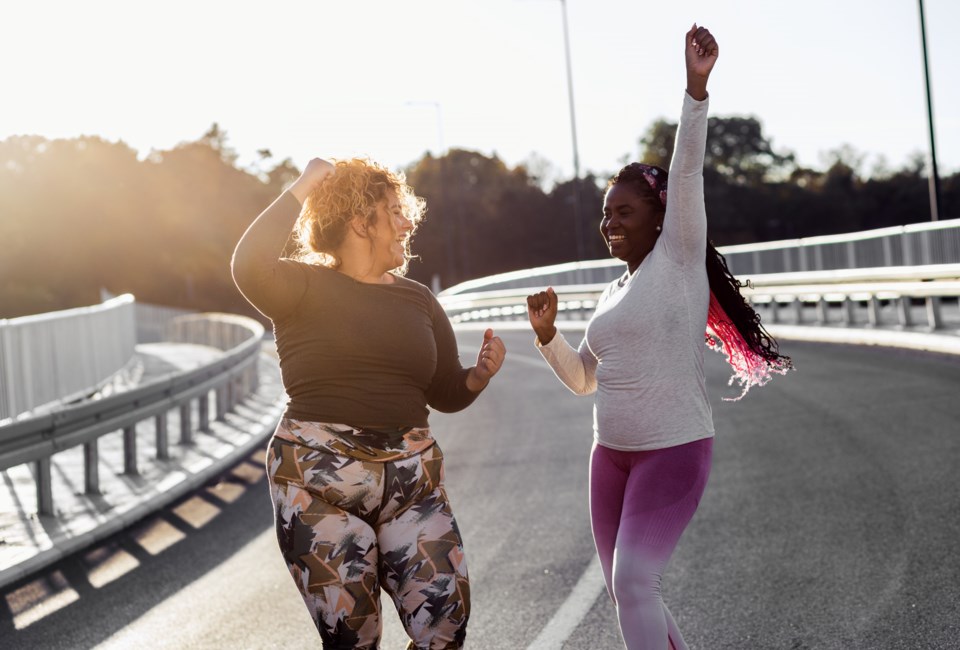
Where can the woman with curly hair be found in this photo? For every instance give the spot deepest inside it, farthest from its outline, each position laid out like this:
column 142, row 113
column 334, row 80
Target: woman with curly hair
column 356, row 478
column 642, row 355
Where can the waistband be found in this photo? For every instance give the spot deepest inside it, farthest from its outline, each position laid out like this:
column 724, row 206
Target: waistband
column 363, row 444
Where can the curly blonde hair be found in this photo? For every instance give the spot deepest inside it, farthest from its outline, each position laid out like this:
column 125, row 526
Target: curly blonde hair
column 352, row 191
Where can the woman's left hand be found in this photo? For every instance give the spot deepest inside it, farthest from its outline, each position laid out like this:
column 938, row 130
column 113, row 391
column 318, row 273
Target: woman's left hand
column 489, row 361
column 701, row 54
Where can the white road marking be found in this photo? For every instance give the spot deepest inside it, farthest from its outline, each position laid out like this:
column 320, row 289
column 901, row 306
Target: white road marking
column 566, row 619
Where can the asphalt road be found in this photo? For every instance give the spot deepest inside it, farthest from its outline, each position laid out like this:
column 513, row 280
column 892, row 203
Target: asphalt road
column 831, row 520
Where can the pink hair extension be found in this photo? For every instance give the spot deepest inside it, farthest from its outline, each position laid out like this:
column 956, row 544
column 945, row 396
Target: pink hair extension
column 749, row 367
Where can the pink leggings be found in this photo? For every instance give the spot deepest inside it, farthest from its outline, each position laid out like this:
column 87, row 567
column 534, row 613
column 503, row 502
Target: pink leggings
column 640, row 504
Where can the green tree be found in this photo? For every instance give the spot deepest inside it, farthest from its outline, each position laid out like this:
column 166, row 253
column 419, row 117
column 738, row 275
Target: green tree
column 736, row 150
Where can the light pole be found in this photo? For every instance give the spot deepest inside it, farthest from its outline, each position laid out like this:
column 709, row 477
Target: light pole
column 577, row 217
column 439, row 111
column 934, row 182
column 449, row 235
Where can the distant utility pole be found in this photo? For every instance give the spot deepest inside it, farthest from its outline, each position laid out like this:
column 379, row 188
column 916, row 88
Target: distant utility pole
column 934, row 182
column 449, row 234
column 577, row 210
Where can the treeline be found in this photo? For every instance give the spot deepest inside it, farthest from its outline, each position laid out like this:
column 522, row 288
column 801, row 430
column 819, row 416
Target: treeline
column 81, row 214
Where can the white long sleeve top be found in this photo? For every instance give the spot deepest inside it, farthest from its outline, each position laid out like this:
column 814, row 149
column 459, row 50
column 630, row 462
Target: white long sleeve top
column 642, row 352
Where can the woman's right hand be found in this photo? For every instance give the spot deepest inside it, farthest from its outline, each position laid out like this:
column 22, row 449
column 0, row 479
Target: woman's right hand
column 315, row 171
column 542, row 312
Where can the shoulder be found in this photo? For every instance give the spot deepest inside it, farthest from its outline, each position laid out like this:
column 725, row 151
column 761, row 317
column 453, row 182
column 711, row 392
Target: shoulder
column 309, row 269
column 403, row 281
column 417, row 292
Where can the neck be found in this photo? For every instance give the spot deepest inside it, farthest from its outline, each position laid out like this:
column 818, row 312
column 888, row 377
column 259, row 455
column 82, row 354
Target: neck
column 363, row 269
column 633, row 265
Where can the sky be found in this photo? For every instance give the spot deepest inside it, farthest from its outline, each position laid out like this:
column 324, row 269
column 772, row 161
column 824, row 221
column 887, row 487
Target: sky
column 391, row 80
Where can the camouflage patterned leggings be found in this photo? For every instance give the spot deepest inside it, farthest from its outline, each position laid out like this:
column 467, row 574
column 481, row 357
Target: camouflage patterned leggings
column 348, row 527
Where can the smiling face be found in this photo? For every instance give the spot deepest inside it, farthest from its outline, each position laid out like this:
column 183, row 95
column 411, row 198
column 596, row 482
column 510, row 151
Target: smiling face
column 630, row 221
column 389, row 234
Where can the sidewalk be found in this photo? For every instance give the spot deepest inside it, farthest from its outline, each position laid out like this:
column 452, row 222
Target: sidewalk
column 29, row 542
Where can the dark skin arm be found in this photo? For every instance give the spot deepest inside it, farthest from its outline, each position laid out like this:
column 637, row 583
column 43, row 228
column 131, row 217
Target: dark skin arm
column 701, row 54
column 542, row 312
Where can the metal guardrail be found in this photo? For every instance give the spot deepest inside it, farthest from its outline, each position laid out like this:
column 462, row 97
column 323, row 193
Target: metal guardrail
column 914, row 245
column 827, row 290
column 231, row 378
column 844, row 290
column 63, row 355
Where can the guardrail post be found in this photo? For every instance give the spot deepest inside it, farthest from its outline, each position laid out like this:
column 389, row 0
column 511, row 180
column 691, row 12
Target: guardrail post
column 798, row 308
column 774, row 307
column 221, row 393
column 204, row 403
column 186, row 426
column 873, row 311
column 823, row 311
column 849, row 316
column 44, row 487
column 91, row 467
column 254, row 378
column 9, row 406
column 934, row 319
column 130, row 450
column 903, row 309
column 163, row 438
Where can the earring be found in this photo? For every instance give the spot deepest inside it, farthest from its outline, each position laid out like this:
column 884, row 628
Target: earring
column 659, row 228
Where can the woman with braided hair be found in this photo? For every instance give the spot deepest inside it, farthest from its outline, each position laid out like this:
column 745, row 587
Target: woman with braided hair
column 356, row 478
column 642, row 357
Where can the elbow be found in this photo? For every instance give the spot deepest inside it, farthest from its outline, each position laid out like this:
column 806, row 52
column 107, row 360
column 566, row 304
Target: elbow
column 244, row 270
column 583, row 391
column 451, row 405
column 581, row 388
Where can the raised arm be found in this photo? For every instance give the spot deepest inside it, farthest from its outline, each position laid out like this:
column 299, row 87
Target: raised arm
column 274, row 285
column 685, row 224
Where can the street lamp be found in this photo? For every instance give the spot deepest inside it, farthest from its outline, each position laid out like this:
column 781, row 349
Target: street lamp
column 577, row 217
column 448, row 230
column 436, row 106
column 934, row 182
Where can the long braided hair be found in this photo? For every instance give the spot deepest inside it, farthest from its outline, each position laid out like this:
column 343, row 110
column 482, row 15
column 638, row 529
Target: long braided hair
column 733, row 326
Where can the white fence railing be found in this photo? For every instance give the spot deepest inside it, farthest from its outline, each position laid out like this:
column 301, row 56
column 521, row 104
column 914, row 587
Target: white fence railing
column 850, row 297
column 224, row 382
column 920, row 244
column 152, row 321
column 62, row 355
